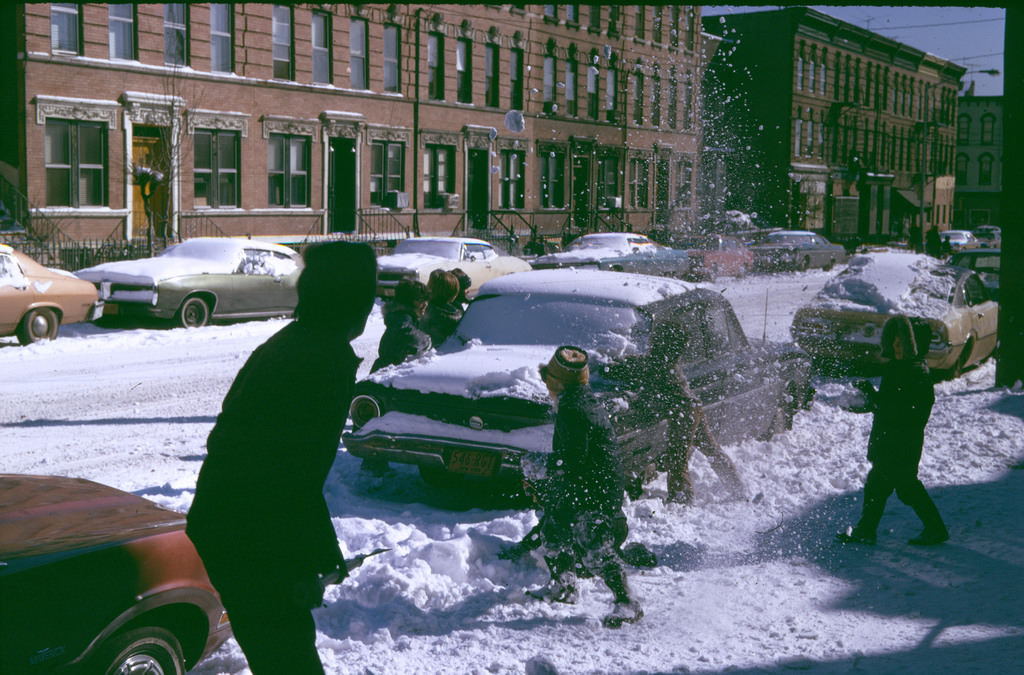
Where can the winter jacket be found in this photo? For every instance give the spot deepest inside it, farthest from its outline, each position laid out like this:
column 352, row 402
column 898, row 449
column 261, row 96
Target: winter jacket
column 584, row 470
column 901, row 405
column 440, row 321
column 402, row 337
column 259, row 510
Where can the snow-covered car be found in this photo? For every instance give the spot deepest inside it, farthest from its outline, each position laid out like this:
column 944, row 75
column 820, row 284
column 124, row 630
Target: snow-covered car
column 842, row 326
column 96, row 580
column 713, row 254
column 415, row 258
column 618, row 252
column 200, row 280
column 984, row 261
column 35, row 301
column 988, row 236
column 796, row 250
column 959, row 239
column 478, row 406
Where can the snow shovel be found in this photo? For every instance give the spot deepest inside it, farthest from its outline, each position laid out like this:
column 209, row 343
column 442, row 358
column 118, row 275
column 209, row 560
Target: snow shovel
column 350, row 564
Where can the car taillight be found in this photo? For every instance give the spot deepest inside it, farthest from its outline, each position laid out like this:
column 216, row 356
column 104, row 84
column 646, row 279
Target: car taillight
column 363, row 409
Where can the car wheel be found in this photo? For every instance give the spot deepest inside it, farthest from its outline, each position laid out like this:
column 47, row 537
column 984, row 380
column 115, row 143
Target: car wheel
column 143, row 651
column 828, row 267
column 194, row 313
column 38, row 324
column 804, row 264
column 440, row 478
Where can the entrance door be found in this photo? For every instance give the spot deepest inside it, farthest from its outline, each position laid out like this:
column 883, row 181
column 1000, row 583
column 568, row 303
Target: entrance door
column 582, row 192
column 341, row 191
column 150, row 156
column 478, row 197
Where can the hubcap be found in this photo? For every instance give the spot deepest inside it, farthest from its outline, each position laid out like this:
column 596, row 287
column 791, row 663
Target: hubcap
column 40, row 326
column 141, row 664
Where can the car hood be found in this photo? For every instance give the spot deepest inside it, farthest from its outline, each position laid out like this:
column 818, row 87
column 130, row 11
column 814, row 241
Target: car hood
column 42, row 515
column 154, row 270
column 409, row 261
column 583, row 255
column 478, row 371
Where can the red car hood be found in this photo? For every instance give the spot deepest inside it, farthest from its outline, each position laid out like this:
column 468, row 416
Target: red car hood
column 40, row 515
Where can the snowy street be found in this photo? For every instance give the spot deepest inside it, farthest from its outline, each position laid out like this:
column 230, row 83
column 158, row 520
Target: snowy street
column 742, row 586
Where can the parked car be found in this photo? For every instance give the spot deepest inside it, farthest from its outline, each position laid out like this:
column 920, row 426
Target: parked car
column 959, row 239
column 712, row 255
column 415, row 258
column 618, row 252
column 200, row 280
column 988, row 236
column 35, row 301
column 99, row 580
column 479, row 408
column 843, row 324
column 984, row 261
column 796, row 250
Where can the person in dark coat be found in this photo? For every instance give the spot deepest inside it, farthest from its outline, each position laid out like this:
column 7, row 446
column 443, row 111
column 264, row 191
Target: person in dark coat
column 442, row 315
column 582, row 493
column 259, row 520
column 402, row 336
column 902, row 405
column 464, row 283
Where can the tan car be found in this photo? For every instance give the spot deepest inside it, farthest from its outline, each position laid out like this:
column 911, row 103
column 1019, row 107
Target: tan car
column 417, row 257
column 842, row 326
column 35, row 300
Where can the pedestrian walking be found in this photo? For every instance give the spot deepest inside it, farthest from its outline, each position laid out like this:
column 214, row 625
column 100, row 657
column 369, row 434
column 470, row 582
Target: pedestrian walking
column 259, row 519
column 901, row 405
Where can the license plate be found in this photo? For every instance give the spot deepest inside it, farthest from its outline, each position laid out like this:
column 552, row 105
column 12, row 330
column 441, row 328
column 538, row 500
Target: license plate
column 109, row 309
column 474, row 462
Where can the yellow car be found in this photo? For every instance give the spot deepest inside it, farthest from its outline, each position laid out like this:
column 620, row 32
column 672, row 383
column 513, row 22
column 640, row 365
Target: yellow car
column 35, row 300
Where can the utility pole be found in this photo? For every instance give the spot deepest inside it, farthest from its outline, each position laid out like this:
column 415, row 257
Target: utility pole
column 1010, row 362
column 919, row 244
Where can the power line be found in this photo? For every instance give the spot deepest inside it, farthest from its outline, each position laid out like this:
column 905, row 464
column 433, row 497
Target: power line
column 934, row 25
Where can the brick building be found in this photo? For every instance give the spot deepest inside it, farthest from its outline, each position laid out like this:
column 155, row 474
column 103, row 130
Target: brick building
column 298, row 121
column 979, row 161
column 818, row 124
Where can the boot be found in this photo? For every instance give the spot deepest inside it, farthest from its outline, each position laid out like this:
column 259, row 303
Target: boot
column 935, row 531
column 560, row 589
column 623, row 612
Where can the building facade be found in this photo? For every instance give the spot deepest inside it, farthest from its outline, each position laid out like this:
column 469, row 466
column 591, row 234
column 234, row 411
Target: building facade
column 302, row 121
column 979, row 161
column 818, row 124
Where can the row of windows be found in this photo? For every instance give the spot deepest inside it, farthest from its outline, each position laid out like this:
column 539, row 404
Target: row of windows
column 988, row 129
column 671, row 22
column 77, row 173
column 561, row 82
column 986, row 163
column 906, row 96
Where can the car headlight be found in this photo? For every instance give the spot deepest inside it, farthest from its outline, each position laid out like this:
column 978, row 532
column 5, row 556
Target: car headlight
column 363, row 409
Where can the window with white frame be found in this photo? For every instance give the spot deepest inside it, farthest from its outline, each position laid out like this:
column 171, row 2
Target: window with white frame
column 65, row 28
column 175, row 34
column 391, row 59
column 222, row 37
column 322, row 42
column 438, row 174
column 387, row 170
column 282, row 44
column 121, row 31
column 358, row 58
column 464, row 70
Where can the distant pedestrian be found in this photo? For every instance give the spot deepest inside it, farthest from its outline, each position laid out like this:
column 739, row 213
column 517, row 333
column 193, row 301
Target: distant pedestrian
column 403, row 338
column 902, row 405
column 442, row 315
column 259, row 519
column 582, row 493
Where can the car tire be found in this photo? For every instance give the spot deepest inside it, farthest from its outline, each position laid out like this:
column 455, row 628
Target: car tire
column 440, row 478
column 194, row 313
column 151, row 650
column 831, row 263
column 804, row 264
column 38, row 324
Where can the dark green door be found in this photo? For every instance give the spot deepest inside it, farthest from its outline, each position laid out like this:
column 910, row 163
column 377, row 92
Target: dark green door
column 341, row 197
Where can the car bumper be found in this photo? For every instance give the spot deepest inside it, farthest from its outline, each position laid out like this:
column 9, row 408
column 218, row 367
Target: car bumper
column 488, row 454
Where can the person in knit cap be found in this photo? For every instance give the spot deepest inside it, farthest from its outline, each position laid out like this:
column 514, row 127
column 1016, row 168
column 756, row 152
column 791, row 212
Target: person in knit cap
column 259, row 520
column 901, row 405
column 442, row 315
column 582, row 493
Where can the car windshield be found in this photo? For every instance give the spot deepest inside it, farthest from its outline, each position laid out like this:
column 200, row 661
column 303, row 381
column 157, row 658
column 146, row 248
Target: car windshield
column 609, row 329
column 442, row 249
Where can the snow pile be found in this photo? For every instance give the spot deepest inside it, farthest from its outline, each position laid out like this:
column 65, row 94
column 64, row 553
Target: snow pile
column 890, row 283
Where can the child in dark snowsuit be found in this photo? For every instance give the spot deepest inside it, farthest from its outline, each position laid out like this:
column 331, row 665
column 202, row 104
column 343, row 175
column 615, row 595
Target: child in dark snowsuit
column 582, row 494
column 402, row 336
column 902, row 405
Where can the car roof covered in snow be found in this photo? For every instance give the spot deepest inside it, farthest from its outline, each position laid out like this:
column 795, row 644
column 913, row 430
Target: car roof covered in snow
column 598, row 285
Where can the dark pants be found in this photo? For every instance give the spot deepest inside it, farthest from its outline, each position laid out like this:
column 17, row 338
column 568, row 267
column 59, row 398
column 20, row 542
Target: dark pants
column 586, row 542
column 881, row 482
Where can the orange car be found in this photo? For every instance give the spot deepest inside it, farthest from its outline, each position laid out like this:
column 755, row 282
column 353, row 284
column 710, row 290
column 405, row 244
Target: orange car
column 35, row 300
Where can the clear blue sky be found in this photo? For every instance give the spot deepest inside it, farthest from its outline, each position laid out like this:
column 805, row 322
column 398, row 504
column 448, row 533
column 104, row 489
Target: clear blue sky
column 969, row 36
